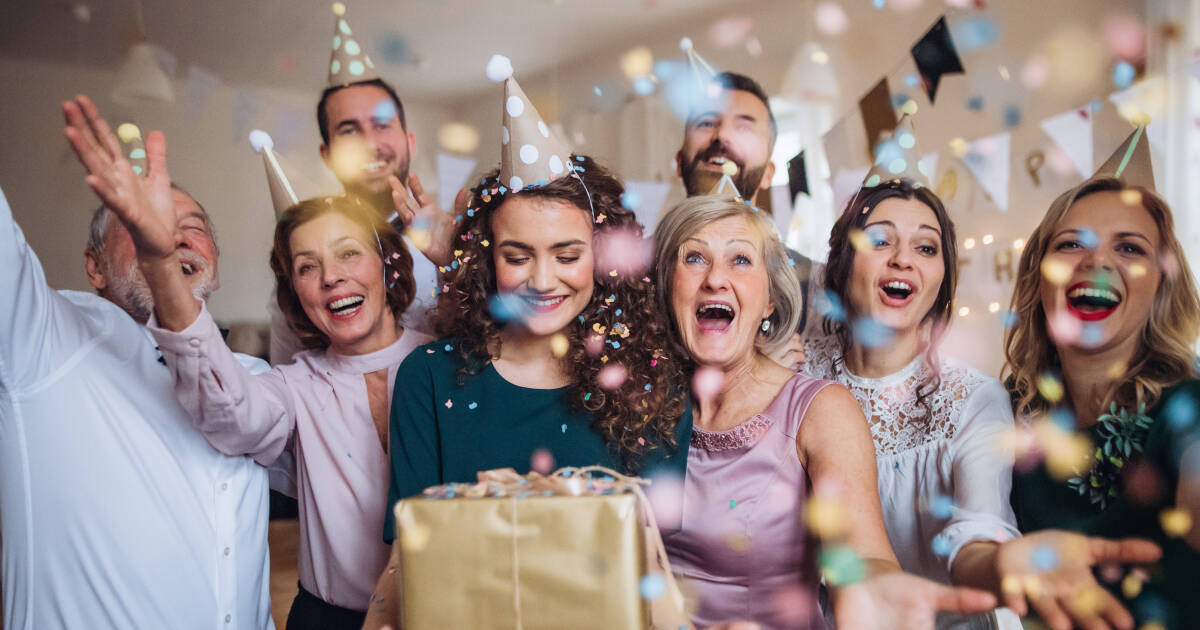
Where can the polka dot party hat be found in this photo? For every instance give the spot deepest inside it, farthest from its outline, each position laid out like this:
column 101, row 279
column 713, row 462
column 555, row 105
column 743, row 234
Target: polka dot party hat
column 1130, row 163
column 530, row 153
column 348, row 63
column 898, row 158
column 133, row 147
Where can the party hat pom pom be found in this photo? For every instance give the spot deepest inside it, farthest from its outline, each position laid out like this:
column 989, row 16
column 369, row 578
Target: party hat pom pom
column 685, row 44
column 499, row 68
column 339, row 8
column 260, row 140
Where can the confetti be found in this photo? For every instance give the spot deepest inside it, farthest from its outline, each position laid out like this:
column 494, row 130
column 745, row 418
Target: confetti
column 1056, row 271
column 941, row 545
column 1044, row 558
column 1175, row 522
column 449, row 403
column 559, row 345
column 831, row 18
column 707, row 382
column 1050, row 388
column 508, row 307
column 564, row 426
column 542, row 461
column 652, row 586
column 870, row 332
column 1123, row 75
column 732, row 503
column 841, row 566
column 612, row 376
column 473, row 406
column 941, row 506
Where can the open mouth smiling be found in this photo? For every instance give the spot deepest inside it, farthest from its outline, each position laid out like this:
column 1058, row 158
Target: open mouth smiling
column 1092, row 302
column 896, row 292
column 345, row 307
column 715, row 317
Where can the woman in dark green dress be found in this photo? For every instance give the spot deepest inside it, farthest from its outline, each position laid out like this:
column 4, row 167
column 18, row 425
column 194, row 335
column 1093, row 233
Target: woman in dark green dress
column 1101, row 369
column 551, row 350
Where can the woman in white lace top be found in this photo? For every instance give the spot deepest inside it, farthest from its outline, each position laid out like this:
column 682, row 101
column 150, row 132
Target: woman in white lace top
column 942, row 430
column 939, row 425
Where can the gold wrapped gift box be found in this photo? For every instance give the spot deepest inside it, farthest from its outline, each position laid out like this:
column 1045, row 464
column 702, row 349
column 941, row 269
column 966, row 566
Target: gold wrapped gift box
column 533, row 553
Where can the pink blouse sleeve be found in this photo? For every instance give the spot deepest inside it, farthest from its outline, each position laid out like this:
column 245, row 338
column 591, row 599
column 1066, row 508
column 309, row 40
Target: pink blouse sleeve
column 238, row 414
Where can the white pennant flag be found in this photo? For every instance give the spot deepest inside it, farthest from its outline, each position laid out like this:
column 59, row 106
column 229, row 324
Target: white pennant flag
column 646, row 199
column 845, row 184
column 1072, row 132
column 453, row 172
column 248, row 103
column 988, row 158
column 201, row 84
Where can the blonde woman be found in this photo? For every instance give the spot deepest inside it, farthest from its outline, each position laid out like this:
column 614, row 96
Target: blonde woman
column 1107, row 314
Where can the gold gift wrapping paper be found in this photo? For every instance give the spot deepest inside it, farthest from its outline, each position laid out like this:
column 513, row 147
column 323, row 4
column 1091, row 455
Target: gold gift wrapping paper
column 532, row 563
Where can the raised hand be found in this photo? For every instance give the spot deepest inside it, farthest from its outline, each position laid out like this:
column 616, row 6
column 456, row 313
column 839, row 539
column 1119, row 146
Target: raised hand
column 1052, row 569
column 903, row 601
column 418, row 208
column 143, row 204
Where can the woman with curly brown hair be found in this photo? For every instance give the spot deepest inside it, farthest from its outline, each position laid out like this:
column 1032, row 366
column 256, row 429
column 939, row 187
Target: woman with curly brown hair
column 551, row 350
column 1107, row 317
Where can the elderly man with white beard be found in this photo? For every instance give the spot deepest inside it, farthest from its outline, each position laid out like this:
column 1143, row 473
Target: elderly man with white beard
column 115, row 510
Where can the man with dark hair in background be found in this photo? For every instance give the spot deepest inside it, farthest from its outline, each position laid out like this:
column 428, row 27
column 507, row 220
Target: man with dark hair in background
column 733, row 123
column 366, row 142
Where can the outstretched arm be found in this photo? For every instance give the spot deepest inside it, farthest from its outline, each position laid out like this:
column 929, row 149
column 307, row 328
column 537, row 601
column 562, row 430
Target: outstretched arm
column 836, row 447
column 143, row 205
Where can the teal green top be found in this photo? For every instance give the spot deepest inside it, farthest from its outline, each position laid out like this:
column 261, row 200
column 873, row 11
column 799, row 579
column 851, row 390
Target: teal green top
column 1172, row 596
column 443, row 432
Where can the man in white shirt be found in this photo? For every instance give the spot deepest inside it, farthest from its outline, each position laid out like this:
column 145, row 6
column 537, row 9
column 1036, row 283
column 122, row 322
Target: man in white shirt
column 116, row 512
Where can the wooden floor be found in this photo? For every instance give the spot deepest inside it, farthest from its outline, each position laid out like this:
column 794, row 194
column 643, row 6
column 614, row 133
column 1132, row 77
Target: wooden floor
column 283, row 537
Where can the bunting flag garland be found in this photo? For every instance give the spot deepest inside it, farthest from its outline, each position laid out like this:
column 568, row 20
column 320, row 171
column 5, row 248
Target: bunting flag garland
column 797, row 175
column 201, row 84
column 1072, row 132
column 646, row 199
column 935, row 56
column 878, row 115
column 988, row 160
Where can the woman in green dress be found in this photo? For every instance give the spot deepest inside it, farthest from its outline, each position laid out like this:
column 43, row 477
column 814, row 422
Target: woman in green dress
column 1101, row 369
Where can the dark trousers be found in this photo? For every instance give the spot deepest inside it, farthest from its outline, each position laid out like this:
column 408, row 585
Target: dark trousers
column 310, row 612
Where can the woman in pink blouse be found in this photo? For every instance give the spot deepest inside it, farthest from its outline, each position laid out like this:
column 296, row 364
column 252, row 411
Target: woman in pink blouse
column 343, row 280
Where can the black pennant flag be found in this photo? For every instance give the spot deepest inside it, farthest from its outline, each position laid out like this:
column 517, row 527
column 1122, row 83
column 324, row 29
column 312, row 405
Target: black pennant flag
column 797, row 175
column 934, row 55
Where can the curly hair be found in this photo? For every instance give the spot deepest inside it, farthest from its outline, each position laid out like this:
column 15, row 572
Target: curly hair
column 840, row 268
column 1164, row 356
column 396, row 262
column 644, row 410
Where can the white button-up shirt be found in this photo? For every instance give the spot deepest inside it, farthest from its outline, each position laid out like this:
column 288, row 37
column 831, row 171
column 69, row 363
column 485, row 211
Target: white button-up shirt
column 115, row 511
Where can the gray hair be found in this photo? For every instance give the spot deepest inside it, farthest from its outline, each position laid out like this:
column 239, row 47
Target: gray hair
column 103, row 215
column 689, row 217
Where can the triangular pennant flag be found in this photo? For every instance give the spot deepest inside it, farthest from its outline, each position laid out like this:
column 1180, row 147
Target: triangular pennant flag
column 781, row 209
column 646, row 199
column 988, row 160
column 283, row 196
column 201, row 84
column 531, row 154
column 453, row 172
column 797, row 175
column 878, row 116
column 846, row 183
column 930, row 162
column 898, row 158
column 1072, row 132
column 348, row 62
column 725, row 188
column 1130, row 163
column 247, row 104
column 935, row 56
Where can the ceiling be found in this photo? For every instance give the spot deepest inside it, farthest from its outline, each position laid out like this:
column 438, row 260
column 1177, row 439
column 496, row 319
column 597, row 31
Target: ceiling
column 433, row 47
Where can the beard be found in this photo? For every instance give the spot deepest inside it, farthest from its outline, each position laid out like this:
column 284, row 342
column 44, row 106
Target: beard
column 127, row 288
column 698, row 181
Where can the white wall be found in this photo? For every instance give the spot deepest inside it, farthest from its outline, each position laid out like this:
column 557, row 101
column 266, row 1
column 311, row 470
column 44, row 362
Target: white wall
column 44, row 183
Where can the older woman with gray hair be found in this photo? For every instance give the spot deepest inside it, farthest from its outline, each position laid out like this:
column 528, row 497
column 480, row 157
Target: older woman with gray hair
column 764, row 438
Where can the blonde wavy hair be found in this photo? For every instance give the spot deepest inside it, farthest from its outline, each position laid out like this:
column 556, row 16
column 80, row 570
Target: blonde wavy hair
column 1164, row 356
